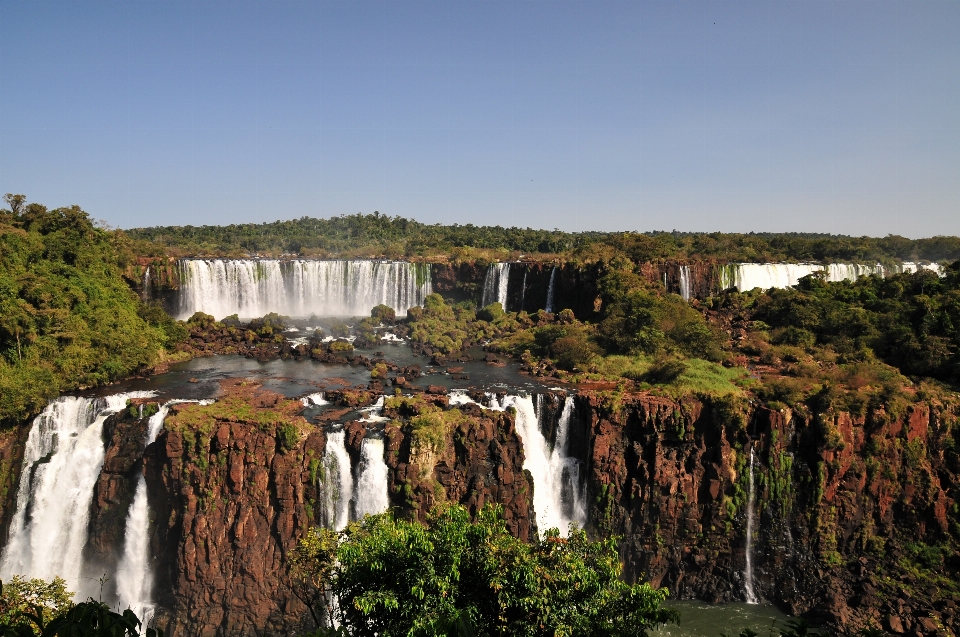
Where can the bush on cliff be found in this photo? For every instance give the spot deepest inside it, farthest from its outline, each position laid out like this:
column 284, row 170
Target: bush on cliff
column 451, row 575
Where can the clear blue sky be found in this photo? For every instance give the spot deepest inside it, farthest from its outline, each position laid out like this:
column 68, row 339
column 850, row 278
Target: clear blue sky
column 732, row 116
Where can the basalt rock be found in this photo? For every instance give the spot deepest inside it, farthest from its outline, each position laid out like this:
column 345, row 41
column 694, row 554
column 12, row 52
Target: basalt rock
column 840, row 501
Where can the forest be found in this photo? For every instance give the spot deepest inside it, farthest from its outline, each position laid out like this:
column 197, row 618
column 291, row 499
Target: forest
column 377, row 235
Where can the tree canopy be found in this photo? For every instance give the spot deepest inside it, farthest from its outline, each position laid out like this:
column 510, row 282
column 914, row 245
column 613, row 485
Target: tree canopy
column 452, row 575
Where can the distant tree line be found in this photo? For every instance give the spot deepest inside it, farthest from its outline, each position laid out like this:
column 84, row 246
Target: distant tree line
column 382, row 235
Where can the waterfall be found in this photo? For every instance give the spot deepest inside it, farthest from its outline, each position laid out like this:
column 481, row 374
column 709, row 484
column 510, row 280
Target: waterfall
column 371, row 491
column 553, row 276
column 336, row 482
column 255, row 287
column 146, row 284
column 495, row 285
column 685, row 282
column 61, row 463
column 558, row 499
column 748, row 570
column 134, row 576
column 523, row 289
column 747, row 276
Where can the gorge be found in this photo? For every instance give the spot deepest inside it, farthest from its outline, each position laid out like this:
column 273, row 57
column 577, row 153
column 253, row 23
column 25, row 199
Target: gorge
column 794, row 445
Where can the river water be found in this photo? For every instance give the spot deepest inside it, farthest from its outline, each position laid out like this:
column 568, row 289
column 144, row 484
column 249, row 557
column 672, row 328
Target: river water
column 699, row 619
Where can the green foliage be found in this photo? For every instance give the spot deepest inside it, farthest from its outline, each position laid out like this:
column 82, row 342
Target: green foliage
column 21, row 598
column 67, row 318
column 95, row 619
column 377, row 235
column 908, row 321
column 383, row 314
column 453, row 576
column 491, row 312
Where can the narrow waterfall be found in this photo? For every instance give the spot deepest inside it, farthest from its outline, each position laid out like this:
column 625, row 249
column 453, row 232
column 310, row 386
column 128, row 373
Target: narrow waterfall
column 495, row 285
column 558, row 500
column 523, row 289
column 748, row 570
column 553, row 276
column 61, row 463
column 372, row 474
column 685, row 282
column 336, row 482
column 134, row 576
column 254, row 287
column 747, row 276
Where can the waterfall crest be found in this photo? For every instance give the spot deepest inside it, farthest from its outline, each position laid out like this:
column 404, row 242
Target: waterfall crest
column 747, row 276
column 748, row 589
column 495, row 285
column 254, row 287
column 553, row 276
column 558, row 497
column 61, row 463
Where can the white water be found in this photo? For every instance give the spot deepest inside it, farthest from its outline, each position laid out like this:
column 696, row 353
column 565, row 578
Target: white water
column 553, row 276
column 495, row 285
column 748, row 570
column 254, row 287
column 336, row 482
column 134, row 576
column 371, row 492
column 747, row 276
column 316, row 400
column 62, row 461
column 685, row 282
column 523, row 289
column 558, row 499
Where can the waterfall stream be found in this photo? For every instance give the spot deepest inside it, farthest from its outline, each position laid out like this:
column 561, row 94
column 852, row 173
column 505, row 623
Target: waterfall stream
column 371, row 492
column 62, row 460
column 336, row 482
column 254, row 287
column 748, row 589
column 685, row 282
column 553, row 276
column 558, row 497
column 134, row 576
column 495, row 285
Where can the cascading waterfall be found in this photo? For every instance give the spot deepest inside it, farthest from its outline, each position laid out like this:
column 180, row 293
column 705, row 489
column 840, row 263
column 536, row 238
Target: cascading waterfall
column 558, row 500
column 553, row 276
column 748, row 569
column 61, row 463
column 254, row 287
column 371, row 492
column 495, row 285
column 336, row 482
column 685, row 282
column 747, row 276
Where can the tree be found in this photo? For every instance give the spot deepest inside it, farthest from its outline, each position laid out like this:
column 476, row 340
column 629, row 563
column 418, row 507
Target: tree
column 21, row 598
column 454, row 576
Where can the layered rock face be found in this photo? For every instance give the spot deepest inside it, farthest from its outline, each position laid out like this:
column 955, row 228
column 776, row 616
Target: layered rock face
column 842, row 504
column 855, row 515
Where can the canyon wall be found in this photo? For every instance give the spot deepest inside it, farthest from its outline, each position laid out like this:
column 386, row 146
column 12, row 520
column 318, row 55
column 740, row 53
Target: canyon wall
column 846, row 507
